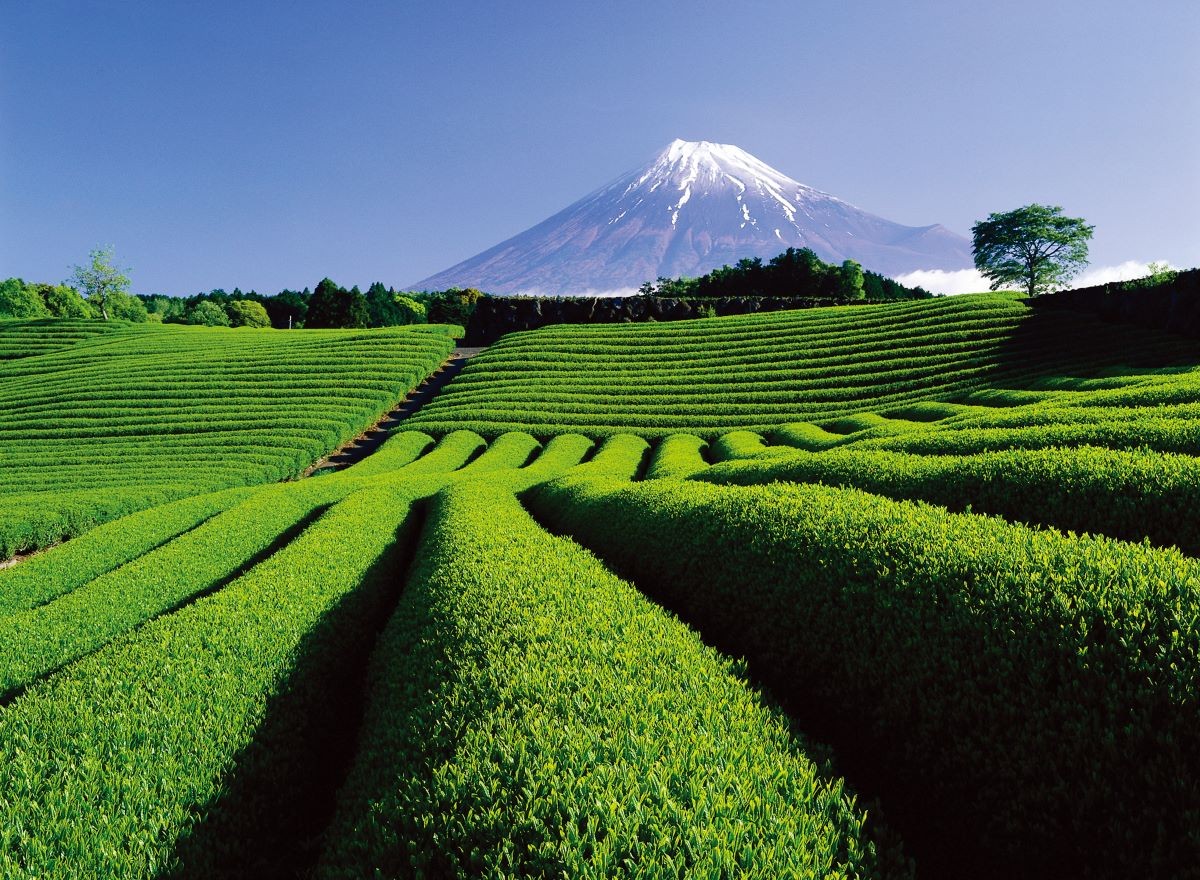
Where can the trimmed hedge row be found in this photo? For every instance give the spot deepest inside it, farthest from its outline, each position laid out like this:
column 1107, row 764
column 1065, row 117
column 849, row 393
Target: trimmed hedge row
column 43, row 638
column 677, row 456
column 1122, row 494
column 710, row 377
column 45, row 577
column 1030, row 696
column 118, row 765
column 531, row 715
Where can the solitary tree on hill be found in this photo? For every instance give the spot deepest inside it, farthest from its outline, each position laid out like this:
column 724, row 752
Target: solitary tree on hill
column 1034, row 247
column 100, row 280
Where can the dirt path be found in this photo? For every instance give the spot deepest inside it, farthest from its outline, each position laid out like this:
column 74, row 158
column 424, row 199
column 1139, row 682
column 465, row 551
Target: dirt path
column 371, row 439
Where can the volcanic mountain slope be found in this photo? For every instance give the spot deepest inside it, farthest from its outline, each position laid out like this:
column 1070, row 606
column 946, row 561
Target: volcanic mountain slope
column 694, row 207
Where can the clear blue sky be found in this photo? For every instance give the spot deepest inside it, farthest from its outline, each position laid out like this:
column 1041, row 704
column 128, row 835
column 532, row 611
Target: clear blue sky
column 265, row 145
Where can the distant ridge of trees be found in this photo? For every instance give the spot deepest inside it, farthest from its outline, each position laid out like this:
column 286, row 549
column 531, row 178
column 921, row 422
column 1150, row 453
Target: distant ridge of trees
column 328, row 305
column 795, row 272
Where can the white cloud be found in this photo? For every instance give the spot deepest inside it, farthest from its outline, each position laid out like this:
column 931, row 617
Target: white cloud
column 970, row 281
column 941, row 281
column 1126, row 271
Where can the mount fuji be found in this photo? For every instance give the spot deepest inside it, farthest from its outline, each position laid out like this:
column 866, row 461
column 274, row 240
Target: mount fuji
column 694, row 207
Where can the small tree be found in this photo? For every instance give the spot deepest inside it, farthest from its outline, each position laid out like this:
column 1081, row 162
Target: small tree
column 1033, row 247
column 409, row 310
column 208, row 313
column 100, row 279
column 127, row 307
column 850, row 280
column 453, row 306
column 1160, row 273
column 247, row 313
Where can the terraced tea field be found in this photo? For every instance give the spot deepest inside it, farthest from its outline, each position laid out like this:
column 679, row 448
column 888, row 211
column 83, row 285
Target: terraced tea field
column 102, row 419
column 894, row 365
column 876, row 592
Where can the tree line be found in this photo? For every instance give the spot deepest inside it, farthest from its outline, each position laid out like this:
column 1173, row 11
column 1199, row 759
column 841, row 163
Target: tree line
column 795, row 272
column 327, row 306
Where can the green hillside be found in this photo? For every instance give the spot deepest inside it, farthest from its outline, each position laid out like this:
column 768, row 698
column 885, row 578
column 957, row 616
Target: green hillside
column 764, row 372
column 878, row 592
column 106, row 418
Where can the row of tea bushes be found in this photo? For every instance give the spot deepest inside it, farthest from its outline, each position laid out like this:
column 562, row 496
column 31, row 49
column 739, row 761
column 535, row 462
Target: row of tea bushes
column 1029, row 693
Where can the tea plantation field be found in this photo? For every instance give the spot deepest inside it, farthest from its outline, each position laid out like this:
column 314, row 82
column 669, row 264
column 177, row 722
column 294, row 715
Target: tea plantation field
column 877, row 592
column 102, row 419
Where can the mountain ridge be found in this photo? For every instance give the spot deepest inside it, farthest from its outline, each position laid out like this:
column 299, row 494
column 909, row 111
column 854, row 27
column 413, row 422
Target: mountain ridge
column 695, row 206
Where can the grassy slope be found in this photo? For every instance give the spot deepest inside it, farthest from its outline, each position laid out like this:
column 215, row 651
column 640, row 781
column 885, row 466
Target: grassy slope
column 100, row 420
column 763, row 372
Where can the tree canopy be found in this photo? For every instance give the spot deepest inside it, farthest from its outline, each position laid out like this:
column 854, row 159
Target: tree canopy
column 247, row 313
column 100, row 280
column 332, row 306
column 20, row 300
column 1034, row 247
column 795, row 272
column 209, row 314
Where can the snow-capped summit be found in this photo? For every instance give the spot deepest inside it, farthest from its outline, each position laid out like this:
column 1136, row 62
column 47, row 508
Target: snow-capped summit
column 693, row 207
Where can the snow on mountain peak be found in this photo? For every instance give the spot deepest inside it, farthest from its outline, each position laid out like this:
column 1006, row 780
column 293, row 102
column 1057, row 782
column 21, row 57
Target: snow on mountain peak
column 697, row 159
column 694, row 206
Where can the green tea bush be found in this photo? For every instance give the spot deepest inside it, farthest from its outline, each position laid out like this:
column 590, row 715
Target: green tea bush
column 531, row 715
column 1026, row 698
column 677, row 456
column 116, row 765
column 1130, row 495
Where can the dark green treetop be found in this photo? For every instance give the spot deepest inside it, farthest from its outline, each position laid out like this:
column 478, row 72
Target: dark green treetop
column 1034, row 247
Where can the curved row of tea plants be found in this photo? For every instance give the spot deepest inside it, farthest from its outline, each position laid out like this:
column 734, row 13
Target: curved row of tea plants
column 155, row 751
column 1029, row 695
column 206, row 741
column 761, row 372
column 1132, row 495
column 532, row 715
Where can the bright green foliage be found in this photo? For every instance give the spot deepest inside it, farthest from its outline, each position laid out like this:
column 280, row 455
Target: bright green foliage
column 677, row 456
column 101, row 281
column 1022, row 701
column 761, row 372
column 64, row 302
column 1028, row 692
column 396, row 452
column 1034, row 247
column 45, row 577
column 108, row 762
column 531, row 715
column 105, row 419
column 1122, row 494
column 21, row 339
column 20, row 300
column 745, row 444
column 247, row 313
column 408, row 310
column 126, row 307
column 41, row 639
column 207, row 313
column 112, row 758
